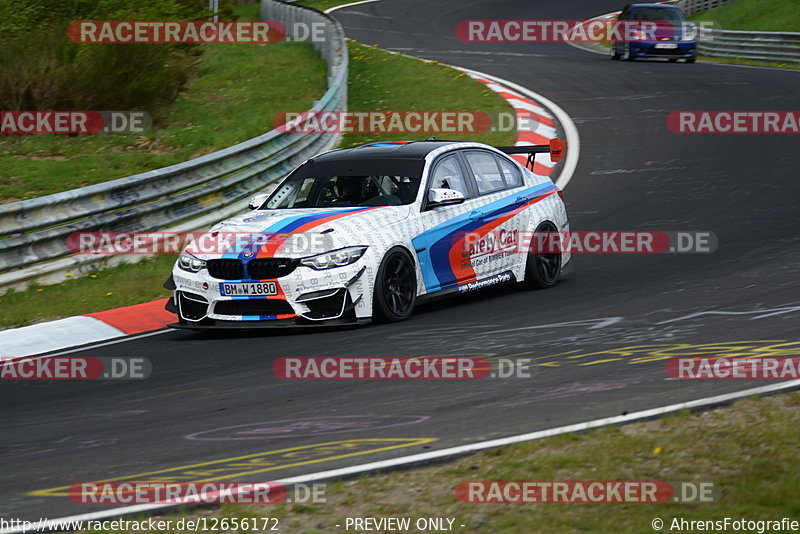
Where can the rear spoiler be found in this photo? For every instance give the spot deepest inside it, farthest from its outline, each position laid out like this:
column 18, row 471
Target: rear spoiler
column 555, row 149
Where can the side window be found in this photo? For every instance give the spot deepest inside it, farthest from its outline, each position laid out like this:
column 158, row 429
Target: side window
column 292, row 195
column 304, row 192
column 487, row 173
column 510, row 172
column 447, row 174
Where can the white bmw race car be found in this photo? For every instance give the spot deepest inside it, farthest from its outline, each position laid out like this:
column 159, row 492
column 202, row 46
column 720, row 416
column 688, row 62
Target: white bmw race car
column 365, row 233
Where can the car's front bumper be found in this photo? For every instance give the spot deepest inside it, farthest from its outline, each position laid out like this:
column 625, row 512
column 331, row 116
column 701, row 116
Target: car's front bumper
column 304, row 297
column 296, row 322
column 682, row 49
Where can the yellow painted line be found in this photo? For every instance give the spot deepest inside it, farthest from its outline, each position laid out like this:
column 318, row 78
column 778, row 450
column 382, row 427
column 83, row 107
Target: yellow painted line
column 638, row 354
column 595, row 362
column 253, row 464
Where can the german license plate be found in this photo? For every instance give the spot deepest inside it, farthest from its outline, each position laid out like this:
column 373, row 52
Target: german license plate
column 670, row 46
column 254, row 289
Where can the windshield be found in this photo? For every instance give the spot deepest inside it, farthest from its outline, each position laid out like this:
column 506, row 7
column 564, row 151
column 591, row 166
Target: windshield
column 658, row 13
column 349, row 183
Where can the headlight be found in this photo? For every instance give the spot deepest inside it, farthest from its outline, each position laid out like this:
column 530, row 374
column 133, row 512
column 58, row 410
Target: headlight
column 334, row 258
column 187, row 262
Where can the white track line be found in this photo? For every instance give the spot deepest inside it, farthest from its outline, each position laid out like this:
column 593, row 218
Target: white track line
column 68, row 350
column 332, row 9
column 461, row 449
column 587, row 48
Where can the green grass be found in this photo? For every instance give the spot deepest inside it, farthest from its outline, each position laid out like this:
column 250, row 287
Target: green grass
column 123, row 285
column 383, row 81
column 235, row 95
column 249, row 11
column 751, row 62
column 756, row 15
column 749, row 450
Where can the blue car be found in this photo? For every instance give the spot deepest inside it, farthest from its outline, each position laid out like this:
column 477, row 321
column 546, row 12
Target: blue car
column 654, row 30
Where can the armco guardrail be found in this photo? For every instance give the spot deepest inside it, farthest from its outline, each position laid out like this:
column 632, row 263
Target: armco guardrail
column 779, row 47
column 187, row 196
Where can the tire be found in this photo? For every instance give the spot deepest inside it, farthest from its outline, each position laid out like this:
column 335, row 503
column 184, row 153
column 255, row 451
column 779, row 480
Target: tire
column 542, row 269
column 690, row 60
column 614, row 54
column 673, row 60
column 627, row 56
column 395, row 290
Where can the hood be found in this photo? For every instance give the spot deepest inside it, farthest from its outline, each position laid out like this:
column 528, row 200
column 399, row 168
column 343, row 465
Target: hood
column 297, row 233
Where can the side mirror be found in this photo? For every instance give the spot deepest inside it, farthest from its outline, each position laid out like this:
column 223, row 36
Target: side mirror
column 444, row 197
column 257, row 201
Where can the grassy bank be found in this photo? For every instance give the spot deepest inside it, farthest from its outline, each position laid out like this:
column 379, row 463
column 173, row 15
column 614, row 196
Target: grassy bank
column 750, row 62
column 236, row 93
column 755, row 15
column 750, row 450
column 383, row 81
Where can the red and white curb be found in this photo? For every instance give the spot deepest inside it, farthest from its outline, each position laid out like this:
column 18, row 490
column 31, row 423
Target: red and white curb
column 536, row 124
column 539, row 121
column 84, row 329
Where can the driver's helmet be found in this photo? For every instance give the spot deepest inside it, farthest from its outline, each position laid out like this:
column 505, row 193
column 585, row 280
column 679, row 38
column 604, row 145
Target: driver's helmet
column 349, row 187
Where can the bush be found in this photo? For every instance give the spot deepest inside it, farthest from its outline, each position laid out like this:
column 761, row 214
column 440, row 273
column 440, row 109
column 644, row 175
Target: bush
column 41, row 69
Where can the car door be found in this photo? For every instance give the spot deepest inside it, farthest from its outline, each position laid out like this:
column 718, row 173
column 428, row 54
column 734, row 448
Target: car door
column 442, row 229
column 494, row 244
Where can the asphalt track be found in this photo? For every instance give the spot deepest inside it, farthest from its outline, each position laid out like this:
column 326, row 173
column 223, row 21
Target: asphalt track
column 597, row 340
